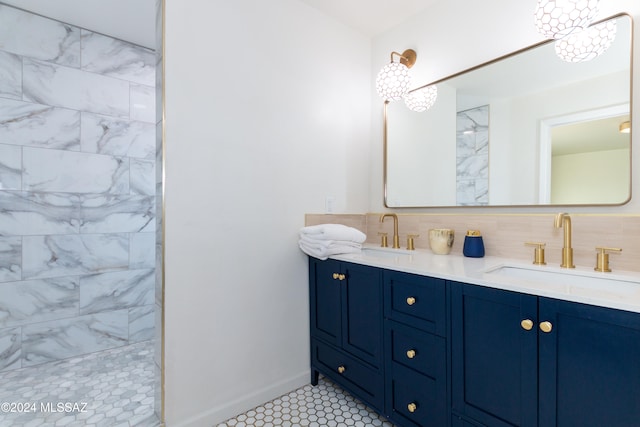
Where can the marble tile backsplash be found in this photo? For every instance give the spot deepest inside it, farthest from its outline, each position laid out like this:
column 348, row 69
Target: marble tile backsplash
column 78, row 191
column 504, row 235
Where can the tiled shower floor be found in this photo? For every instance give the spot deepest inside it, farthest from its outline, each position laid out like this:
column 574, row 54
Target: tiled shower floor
column 323, row 405
column 116, row 386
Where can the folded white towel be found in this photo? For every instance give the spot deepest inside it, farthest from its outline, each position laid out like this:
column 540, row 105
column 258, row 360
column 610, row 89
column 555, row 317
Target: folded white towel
column 323, row 249
column 334, row 232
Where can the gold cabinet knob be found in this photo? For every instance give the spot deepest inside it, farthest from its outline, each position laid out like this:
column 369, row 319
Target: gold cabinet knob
column 411, row 407
column 411, row 354
column 527, row 324
column 341, row 369
column 546, row 327
column 341, row 276
column 335, row 275
column 411, row 301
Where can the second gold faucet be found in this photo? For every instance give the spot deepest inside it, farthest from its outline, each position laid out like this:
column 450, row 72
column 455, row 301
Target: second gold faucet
column 564, row 220
column 396, row 237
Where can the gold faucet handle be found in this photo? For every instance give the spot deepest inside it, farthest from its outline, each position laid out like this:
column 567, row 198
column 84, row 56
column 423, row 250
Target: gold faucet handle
column 410, row 238
column 602, row 258
column 384, row 242
column 538, row 253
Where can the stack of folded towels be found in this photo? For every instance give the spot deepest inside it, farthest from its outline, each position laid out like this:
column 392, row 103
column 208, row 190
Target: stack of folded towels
column 322, row 241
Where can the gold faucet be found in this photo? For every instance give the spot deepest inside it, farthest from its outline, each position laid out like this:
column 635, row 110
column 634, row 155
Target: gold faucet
column 564, row 220
column 396, row 237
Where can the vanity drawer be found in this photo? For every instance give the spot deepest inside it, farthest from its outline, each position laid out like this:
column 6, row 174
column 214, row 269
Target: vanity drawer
column 360, row 379
column 423, row 352
column 419, row 301
column 416, row 399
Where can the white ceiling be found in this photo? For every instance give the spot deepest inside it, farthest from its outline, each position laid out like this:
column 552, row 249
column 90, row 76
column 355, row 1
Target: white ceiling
column 134, row 20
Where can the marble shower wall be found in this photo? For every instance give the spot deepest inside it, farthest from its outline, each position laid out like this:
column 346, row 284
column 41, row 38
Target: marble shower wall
column 472, row 157
column 78, row 216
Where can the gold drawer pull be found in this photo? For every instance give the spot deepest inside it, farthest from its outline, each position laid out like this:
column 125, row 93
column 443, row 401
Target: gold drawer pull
column 411, row 301
column 412, row 407
column 411, row 354
column 527, row 324
column 341, row 369
column 335, row 275
column 546, row 327
column 341, row 276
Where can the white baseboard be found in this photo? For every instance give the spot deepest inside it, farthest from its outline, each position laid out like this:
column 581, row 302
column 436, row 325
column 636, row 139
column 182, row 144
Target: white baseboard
column 214, row 416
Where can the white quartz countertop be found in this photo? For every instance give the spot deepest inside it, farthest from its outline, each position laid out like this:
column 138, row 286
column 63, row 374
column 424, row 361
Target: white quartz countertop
column 619, row 289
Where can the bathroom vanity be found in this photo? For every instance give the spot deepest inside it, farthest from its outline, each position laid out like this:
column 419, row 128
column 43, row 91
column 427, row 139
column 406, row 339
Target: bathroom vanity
column 444, row 340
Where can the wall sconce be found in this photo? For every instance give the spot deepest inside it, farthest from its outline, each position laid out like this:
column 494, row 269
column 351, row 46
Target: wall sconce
column 555, row 19
column 625, row 127
column 393, row 80
column 587, row 44
column 421, row 99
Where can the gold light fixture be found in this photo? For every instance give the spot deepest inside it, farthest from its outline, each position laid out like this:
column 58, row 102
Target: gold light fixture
column 555, row 19
column 393, row 81
column 625, row 127
column 587, row 44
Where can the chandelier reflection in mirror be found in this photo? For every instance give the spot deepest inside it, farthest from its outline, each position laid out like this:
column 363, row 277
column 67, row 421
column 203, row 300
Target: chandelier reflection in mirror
column 587, row 44
column 556, row 19
column 421, row 99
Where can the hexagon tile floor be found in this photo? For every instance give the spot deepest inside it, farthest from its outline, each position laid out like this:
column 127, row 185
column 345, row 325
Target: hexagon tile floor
column 112, row 388
column 323, row 405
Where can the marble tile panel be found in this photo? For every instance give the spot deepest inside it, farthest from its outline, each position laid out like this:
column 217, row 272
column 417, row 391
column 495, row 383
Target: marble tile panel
column 51, row 84
column 157, row 356
column 117, row 137
column 10, row 349
column 10, row 258
column 10, row 168
column 143, row 103
column 27, row 213
column 33, row 301
column 117, row 214
column 60, row 339
column 116, row 290
column 472, row 167
column 71, row 172
column 117, row 58
column 142, row 177
column 142, row 250
column 141, row 323
column 37, row 125
column 68, row 255
column 10, row 75
column 26, row 34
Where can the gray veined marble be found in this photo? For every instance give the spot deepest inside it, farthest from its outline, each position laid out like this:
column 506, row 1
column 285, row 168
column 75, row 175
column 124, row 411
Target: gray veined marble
column 142, row 250
column 37, row 125
column 143, row 177
column 59, row 339
column 71, row 172
column 10, row 258
column 473, row 167
column 10, row 75
column 143, row 103
column 10, row 168
column 32, row 301
column 26, row 213
column 117, row 214
column 117, row 58
column 141, row 323
column 26, row 34
column 10, row 349
column 50, row 84
column 68, row 255
column 117, row 137
column 116, row 290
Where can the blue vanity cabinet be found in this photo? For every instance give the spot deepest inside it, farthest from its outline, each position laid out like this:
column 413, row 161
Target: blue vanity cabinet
column 416, row 330
column 346, row 327
column 572, row 365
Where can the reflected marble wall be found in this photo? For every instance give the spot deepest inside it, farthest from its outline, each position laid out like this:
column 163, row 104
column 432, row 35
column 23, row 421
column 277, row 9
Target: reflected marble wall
column 78, row 186
column 472, row 157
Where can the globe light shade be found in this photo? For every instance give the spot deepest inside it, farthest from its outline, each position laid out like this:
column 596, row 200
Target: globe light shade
column 393, row 81
column 588, row 44
column 421, row 99
column 556, row 19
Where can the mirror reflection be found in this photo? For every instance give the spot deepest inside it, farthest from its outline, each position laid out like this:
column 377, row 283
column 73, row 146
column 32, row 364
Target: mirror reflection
column 525, row 129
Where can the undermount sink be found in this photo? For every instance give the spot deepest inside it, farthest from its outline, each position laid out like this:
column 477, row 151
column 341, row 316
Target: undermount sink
column 381, row 252
column 574, row 280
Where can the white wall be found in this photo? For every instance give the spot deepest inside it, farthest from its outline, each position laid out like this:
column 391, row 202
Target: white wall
column 267, row 112
column 455, row 35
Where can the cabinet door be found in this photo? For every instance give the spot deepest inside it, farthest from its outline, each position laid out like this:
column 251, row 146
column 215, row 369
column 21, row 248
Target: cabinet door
column 324, row 298
column 589, row 366
column 494, row 359
column 362, row 312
